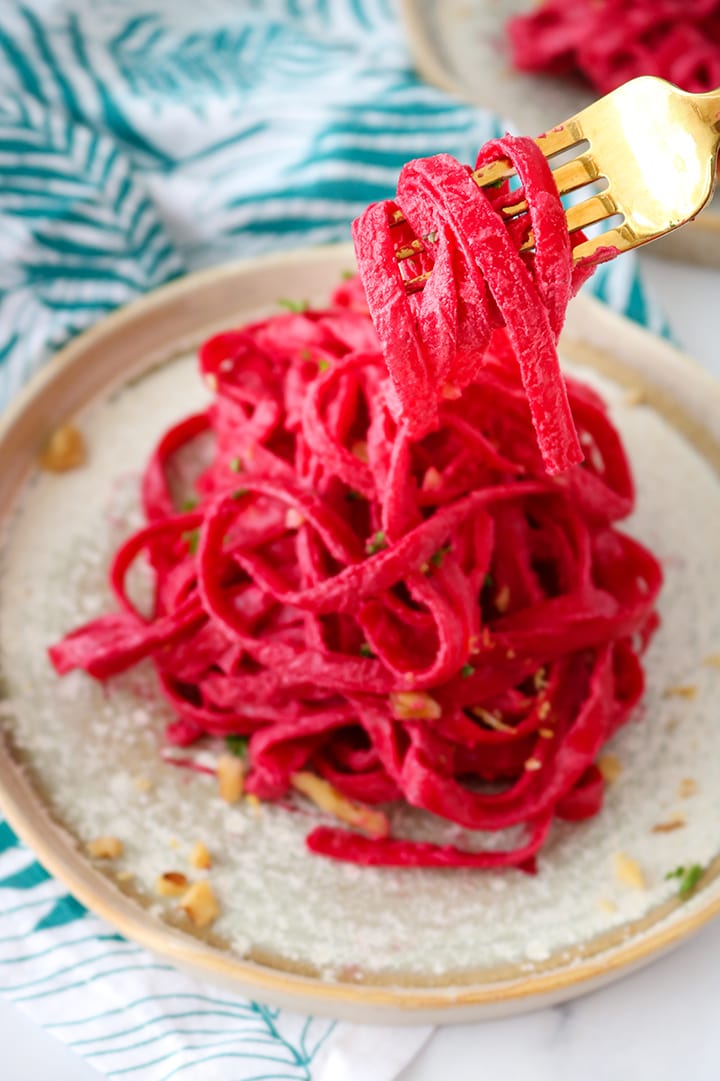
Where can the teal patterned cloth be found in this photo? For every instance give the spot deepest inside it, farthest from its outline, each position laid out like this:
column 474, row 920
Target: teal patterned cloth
column 140, row 140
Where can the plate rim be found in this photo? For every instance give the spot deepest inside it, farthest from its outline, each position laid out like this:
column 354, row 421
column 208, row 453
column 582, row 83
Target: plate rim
column 26, row 811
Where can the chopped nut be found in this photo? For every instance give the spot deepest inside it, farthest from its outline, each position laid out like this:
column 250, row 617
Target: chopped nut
column 200, row 857
column 450, row 392
column 171, row 884
column 142, row 784
column 610, row 766
column 544, row 710
column 65, row 450
column 293, row 518
column 546, row 733
column 414, row 706
column 323, row 795
column 635, row 396
column 231, row 777
column 688, row 787
column 360, row 450
column 200, row 904
column 533, row 764
column 675, row 823
column 502, row 599
column 432, row 479
column 211, row 382
column 628, row 871
column 712, row 660
column 684, row 690
column 607, row 905
column 105, row 848
column 252, row 801
column 510, row 654
column 491, row 719
column 540, row 679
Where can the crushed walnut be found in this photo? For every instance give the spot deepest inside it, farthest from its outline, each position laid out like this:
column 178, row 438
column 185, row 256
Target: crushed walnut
column 171, row 884
column 327, row 798
column 200, row 857
column 610, row 766
column 231, row 777
column 414, row 706
column 105, row 848
column 675, row 823
column 64, row 450
column 628, row 871
column 712, row 660
column 199, row 904
column 681, row 690
column 687, row 787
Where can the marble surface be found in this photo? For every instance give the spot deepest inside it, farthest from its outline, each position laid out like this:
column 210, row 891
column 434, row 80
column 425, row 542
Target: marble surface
column 656, row 1025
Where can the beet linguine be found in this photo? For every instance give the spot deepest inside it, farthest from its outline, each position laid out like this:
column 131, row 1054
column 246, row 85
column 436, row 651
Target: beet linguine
column 412, row 587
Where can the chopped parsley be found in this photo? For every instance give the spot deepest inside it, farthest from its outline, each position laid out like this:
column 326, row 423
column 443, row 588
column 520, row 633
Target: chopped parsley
column 235, row 465
column 688, row 878
column 189, row 504
column 347, row 275
column 437, row 557
column 237, row 745
column 354, row 497
column 376, row 543
column 323, row 364
column 365, row 650
column 293, row 305
column 489, row 581
column 192, row 539
column 239, row 493
column 466, row 671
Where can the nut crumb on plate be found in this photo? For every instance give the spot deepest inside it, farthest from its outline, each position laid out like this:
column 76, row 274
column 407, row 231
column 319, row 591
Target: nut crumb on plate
column 231, row 777
column 681, row 690
column 64, row 450
column 200, row 904
column 327, row 798
column 171, row 884
column 200, row 857
column 628, row 871
column 610, row 766
column 105, row 848
column 675, row 823
column 687, row 787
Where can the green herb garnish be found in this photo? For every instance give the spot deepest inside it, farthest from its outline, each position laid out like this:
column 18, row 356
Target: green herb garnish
column 347, row 275
column 688, row 878
column 237, row 745
column 354, row 497
column 235, row 465
column 189, row 504
column 437, row 557
column 294, row 305
column 376, row 543
column 323, row 364
column 466, row 671
column 239, row 493
column 365, row 650
column 489, row 581
column 192, row 539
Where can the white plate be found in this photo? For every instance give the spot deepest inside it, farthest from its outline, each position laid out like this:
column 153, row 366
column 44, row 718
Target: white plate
column 371, row 944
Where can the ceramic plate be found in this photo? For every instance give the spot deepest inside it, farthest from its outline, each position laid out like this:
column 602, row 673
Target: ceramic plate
column 371, row 944
column 460, row 46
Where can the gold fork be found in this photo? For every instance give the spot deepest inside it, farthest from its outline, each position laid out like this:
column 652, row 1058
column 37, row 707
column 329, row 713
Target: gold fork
column 654, row 145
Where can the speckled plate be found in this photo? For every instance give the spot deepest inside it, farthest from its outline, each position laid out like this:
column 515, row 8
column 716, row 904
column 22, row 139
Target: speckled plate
column 460, row 45
column 369, row 944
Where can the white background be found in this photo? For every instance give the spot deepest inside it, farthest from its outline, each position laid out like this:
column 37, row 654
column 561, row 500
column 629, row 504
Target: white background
column 660, row 1024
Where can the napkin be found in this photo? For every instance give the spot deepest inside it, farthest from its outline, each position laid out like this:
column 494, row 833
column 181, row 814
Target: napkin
column 140, row 140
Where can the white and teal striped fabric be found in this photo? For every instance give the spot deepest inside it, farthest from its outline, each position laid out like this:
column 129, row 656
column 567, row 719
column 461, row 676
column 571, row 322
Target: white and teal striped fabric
column 140, row 139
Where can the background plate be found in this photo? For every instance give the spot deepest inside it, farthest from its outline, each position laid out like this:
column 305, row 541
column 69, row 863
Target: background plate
column 370, row 944
column 460, row 45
